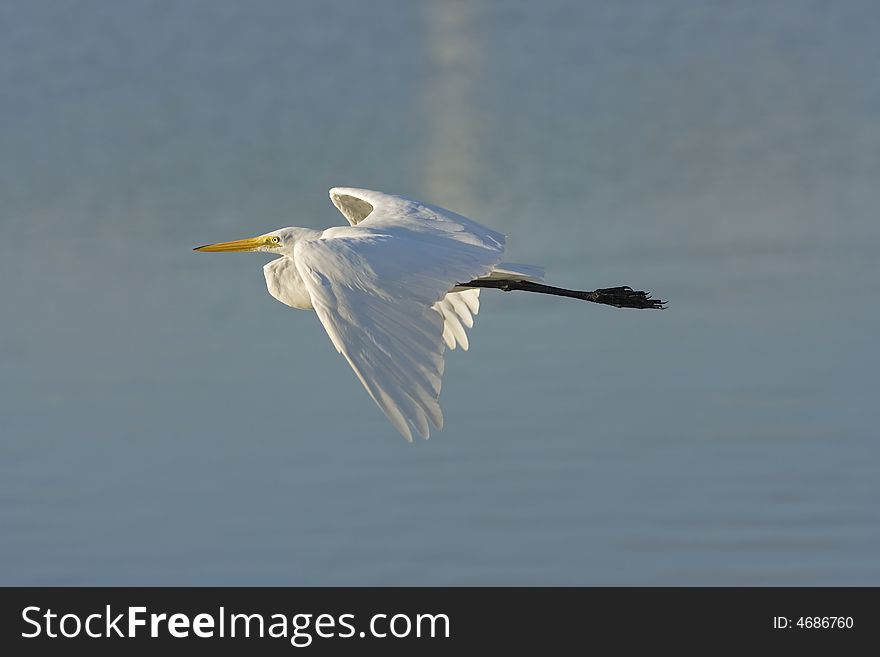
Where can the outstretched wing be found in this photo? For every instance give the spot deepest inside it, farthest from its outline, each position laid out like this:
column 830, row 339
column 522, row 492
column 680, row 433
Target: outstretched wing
column 374, row 288
column 366, row 208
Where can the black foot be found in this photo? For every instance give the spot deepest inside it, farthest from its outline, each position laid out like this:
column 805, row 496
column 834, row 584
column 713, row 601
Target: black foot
column 626, row 297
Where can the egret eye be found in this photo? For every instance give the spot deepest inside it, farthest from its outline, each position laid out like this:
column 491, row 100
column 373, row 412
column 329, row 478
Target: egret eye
column 276, row 239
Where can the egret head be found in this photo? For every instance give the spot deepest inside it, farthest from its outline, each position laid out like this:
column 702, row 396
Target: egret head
column 279, row 241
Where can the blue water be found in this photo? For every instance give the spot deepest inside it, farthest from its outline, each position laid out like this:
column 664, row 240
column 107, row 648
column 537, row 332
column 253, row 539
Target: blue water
column 164, row 421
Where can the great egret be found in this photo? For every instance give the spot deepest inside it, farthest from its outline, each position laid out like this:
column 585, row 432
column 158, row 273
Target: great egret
column 397, row 285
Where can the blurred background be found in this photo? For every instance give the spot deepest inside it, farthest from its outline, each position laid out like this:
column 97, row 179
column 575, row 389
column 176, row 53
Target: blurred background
column 164, row 421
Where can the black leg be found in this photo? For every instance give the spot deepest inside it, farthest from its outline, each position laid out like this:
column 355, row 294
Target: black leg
column 619, row 297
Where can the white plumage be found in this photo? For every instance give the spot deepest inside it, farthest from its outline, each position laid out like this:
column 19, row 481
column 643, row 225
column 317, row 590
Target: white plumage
column 385, row 291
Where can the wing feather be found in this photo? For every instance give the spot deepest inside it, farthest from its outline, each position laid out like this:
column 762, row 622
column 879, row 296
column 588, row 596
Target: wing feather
column 376, row 288
column 458, row 310
column 388, row 210
column 352, row 208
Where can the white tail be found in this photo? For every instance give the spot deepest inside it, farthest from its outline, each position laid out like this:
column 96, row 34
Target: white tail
column 513, row 272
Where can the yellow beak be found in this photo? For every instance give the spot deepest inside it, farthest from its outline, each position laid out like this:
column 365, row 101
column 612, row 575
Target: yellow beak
column 249, row 244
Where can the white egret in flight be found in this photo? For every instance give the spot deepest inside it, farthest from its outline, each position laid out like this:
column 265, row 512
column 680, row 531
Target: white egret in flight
column 397, row 286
